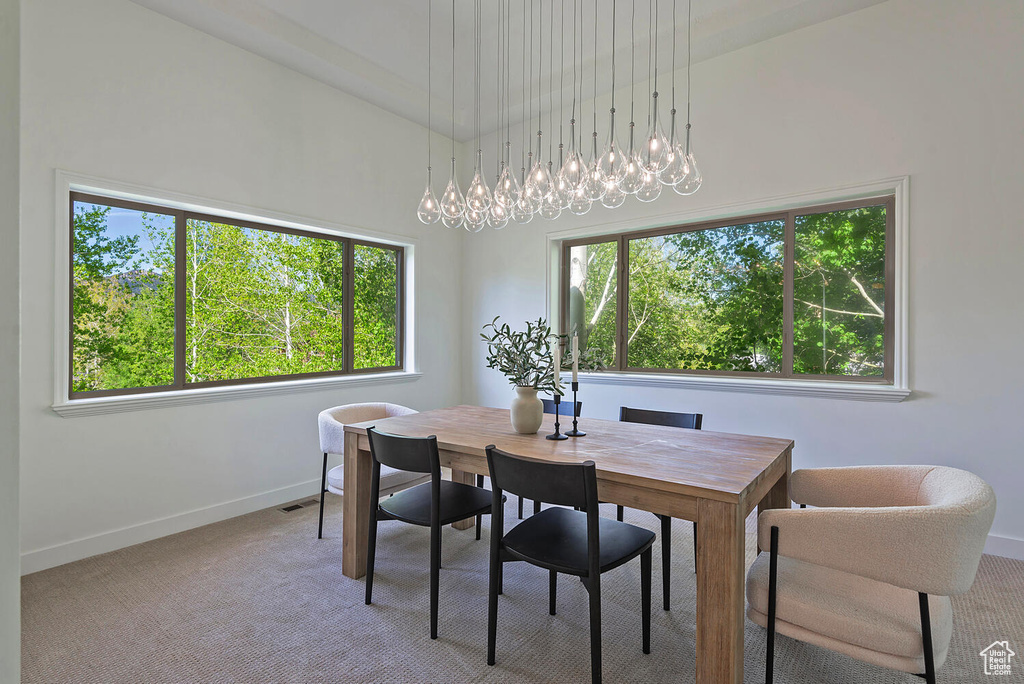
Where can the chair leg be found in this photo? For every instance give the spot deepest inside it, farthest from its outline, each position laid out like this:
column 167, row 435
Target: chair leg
column 323, row 490
column 501, row 578
column 435, row 575
column 371, row 551
column 695, row 548
column 552, row 587
column 773, row 567
column 645, row 598
column 479, row 517
column 926, row 637
column 536, row 507
column 594, row 587
column 493, row 589
column 619, row 512
column 520, row 507
column 666, row 559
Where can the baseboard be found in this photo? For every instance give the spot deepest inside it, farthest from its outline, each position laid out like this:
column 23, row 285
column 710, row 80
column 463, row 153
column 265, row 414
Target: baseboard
column 1008, row 547
column 59, row 554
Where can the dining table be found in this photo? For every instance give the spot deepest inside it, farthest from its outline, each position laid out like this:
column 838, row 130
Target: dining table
column 712, row 478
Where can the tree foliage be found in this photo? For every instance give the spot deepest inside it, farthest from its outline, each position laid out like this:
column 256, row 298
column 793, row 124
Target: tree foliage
column 713, row 299
column 257, row 303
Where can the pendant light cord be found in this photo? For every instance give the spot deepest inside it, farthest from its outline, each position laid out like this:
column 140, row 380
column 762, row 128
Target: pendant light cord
column 429, row 73
column 689, row 6
column 674, row 56
column 453, row 81
column 613, row 56
column 632, row 58
column 595, row 69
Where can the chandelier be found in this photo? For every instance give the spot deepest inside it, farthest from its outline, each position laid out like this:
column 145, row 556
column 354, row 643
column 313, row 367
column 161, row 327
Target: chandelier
column 568, row 180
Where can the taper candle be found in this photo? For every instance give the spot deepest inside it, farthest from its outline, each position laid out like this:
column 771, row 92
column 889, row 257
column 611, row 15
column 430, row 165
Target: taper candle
column 556, row 355
column 575, row 357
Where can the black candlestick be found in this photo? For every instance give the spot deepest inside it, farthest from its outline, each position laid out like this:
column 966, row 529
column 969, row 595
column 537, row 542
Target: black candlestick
column 575, row 432
column 556, row 434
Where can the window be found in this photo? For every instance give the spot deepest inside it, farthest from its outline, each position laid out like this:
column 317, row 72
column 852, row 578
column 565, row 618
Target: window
column 805, row 293
column 166, row 299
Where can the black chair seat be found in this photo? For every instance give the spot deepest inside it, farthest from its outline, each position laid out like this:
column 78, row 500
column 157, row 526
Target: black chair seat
column 458, row 502
column 557, row 539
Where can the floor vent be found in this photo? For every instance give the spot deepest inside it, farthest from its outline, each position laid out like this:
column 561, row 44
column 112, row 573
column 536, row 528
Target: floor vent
column 293, row 507
column 311, row 502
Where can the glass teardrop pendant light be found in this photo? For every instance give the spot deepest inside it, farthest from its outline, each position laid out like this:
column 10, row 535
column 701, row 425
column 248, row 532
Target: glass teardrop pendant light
column 612, row 165
column 674, row 169
column 633, row 177
column 652, row 154
column 650, row 189
column 539, row 184
column 561, row 191
column 428, row 211
column 614, row 195
column 692, row 177
column 478, row 195
column 675, row 157
column 594, row 185
column 452, row 204
column 506, row 189
column 550, row 207
column 522, row 213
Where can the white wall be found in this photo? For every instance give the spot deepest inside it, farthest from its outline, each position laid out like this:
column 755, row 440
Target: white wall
column 929, row 89
column 116, row 91
column 10, row 584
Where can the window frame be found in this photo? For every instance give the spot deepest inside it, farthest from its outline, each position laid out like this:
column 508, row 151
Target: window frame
column 181, row 217
column 786, row 374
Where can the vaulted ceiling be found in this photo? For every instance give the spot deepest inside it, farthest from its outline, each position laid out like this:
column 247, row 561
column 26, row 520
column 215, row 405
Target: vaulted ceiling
column 377, row 50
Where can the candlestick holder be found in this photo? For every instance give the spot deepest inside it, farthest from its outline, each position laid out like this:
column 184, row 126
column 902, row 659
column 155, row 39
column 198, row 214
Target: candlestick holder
column 556, row 434
column 575, row 432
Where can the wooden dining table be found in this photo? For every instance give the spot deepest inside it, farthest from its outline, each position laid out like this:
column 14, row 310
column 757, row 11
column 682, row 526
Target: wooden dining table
column 712, row 478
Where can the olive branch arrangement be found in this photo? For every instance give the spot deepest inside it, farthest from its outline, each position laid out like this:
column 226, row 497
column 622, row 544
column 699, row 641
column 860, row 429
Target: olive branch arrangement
column 524, row 356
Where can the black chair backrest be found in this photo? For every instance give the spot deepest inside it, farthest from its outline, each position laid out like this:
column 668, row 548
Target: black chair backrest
column 549, row 407
column 669, row 418
column 413, row 454
column 564, row 484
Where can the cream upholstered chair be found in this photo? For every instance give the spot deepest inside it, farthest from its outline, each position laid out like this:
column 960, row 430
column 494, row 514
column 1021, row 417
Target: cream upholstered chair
column 869, row 570
column 332, row 423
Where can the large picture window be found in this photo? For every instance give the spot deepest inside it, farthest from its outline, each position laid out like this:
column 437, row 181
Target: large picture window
column 803, row 293
column 166, row 299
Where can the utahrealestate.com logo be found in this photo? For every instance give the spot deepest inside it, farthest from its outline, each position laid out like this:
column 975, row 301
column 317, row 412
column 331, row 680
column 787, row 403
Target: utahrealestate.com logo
column 997, row 658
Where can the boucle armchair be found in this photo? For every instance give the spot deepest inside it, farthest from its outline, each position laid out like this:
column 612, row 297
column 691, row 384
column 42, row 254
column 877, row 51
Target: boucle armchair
column 332, row 423
column 869, row 569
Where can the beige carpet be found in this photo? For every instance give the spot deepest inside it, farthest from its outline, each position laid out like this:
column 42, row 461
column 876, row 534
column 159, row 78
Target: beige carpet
column 260, row 599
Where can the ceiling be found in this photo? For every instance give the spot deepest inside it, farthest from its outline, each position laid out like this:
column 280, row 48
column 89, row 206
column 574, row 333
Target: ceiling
column 377, row 50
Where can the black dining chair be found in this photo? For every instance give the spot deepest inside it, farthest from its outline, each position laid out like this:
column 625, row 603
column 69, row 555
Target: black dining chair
column 562, row 540
column 549, row 408
column 681, row 420
column 432, row 504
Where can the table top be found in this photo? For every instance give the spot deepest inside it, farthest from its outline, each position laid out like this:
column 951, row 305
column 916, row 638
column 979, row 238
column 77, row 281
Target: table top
column 715, row 465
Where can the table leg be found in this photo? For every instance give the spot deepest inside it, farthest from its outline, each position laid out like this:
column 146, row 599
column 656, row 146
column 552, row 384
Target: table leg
column 356, row 507
column 464, row 478
column 720, row 593
column 778, row 495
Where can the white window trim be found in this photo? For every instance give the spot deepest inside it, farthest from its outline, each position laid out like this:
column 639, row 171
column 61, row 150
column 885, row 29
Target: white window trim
column 68, row 182
column 862, row 391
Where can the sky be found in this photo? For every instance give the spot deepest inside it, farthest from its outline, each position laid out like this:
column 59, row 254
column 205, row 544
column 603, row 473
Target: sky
column 121, row 222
